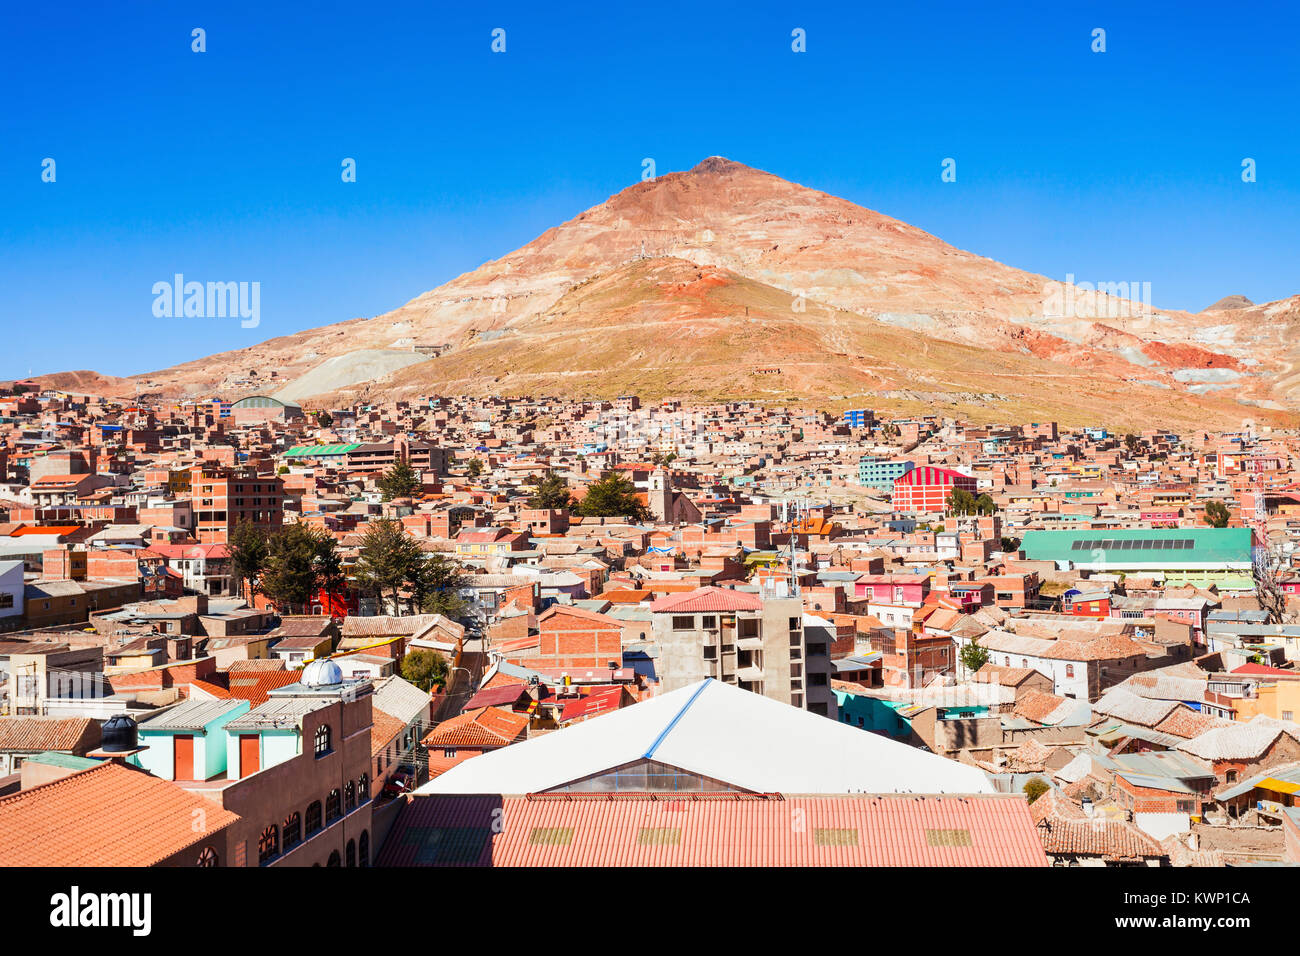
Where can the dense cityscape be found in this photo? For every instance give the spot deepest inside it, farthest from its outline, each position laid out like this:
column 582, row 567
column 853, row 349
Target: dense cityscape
column 334, row 630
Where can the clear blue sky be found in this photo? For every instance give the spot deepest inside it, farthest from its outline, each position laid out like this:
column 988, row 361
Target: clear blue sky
column 225, row 165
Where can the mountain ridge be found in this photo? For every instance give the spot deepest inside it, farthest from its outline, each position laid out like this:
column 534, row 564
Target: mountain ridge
column 812, row 248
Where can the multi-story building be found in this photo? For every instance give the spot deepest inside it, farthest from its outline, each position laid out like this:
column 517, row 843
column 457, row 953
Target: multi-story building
column 223, row 497
column 881, row 473
column 742, row 639
column 925, row 490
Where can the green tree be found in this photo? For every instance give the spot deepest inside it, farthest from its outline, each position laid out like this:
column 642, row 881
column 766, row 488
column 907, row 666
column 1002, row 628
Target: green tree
column 424, row 668
column 436, row 585
column 400, row 481
column 1131, row 443
column 324, row 419
column 973, row 655
column 552, row 492
column 249, row 548
column 387, row 560
column 282, row 470
column 960, row 502
column 300, row 559
column 1010, row 545
column 1035, row 788
column 610, row 497
column 984, row 505
column 1216, row 513
column 474, row 468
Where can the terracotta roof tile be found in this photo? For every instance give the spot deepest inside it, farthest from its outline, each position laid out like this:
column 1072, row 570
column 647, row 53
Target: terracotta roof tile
column 38, row 734
column 485, row 727
column 79, row 820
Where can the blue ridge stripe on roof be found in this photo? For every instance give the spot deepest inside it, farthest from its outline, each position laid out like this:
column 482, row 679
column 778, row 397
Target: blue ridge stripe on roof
column 673, row 723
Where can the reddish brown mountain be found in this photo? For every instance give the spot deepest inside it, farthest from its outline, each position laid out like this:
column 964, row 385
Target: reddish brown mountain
column 702, row 282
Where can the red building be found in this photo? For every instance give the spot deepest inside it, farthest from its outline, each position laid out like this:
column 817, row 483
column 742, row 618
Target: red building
column 926, row 490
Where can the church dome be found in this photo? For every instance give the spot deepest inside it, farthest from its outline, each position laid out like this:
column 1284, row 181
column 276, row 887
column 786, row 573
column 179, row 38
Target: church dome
column 322, row 673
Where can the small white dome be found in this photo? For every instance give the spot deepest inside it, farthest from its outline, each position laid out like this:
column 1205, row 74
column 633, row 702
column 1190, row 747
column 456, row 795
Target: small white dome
column 322, row 673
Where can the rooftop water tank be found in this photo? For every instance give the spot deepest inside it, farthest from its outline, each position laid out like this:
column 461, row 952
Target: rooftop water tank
column 119, row 735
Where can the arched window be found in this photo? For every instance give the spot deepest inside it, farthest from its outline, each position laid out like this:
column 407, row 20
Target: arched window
column 363, row 787
column 334, row 859
column 364, row 846
column 208, row 857
column 313, row 818
column 333, row 807
column 350, row 797
column 292, row 830
column 268, row 844
column 322, row 740
column 1230, row 776
column 352, row 853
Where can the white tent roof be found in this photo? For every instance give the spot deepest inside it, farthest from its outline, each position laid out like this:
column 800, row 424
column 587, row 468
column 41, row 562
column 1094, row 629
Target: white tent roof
column 720, row 731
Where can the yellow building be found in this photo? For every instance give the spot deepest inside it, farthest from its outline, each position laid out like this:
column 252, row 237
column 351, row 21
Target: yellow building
column 1278, row 698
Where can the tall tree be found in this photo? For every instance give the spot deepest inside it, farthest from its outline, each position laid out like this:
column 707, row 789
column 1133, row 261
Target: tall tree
column 960, row 502
column 300, row 560
column 248, row 548
column 475, row 468
column 610, row 497
column 400, row 481
column 1217, row 513
column 435, row 587
column 973, row 656
column 387, row 560
column 552, row 492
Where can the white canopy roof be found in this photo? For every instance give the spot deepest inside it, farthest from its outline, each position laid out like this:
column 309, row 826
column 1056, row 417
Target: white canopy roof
column 719, row 731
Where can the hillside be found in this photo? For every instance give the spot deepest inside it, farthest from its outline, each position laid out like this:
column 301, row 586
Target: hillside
column 648, row 292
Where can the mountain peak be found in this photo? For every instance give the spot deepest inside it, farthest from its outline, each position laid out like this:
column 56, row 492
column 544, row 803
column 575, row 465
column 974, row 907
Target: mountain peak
column 1230, row 302
column 715, row 165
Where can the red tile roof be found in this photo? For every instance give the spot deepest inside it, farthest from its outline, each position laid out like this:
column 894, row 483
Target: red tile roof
column 255, row 686
column 706, row 600
column 714, row 830
column 485, row 727
column 109, row 815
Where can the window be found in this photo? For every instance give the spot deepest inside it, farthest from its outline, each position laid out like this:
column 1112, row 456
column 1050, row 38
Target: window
column 313, row 818
column 1286, row 715
column 363, row 788
column 1230, row 776
column 322, row 740
column 334, row 859
column 1069, row 670
column 268, row 844
column 683, row 622
column 208, row 857
column 333, row 807
column 710, row 652
column 350, row 797
column 292, row 831
column 363, row 847
column 709, row 621
column 352, row 853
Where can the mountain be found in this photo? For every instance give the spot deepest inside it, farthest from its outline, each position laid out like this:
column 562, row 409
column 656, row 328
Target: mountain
column 726, row 281
column 1230, row 302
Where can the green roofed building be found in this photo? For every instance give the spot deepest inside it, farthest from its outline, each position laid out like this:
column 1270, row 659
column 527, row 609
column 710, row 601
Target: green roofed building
column 320, row 452
column 1200, row 556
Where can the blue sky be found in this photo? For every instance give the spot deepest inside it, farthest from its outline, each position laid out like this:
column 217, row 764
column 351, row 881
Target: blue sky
column 1115, row 166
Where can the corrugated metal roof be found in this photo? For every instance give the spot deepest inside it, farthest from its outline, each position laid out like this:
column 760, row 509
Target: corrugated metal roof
column 193, row 714
column 714, row 830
